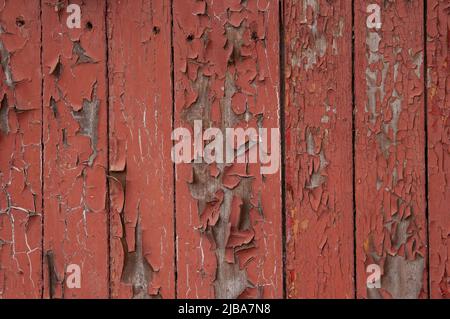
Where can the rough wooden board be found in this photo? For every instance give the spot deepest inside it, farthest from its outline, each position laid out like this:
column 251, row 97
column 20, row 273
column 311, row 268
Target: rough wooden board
column 75, row 150
column 438, row 111
column 319, row 168
column 226, row 64
column 390, row 145
column 140, row 118
column 20, row 150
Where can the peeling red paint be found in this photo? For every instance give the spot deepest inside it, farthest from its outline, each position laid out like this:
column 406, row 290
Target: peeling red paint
column 438, row 83
column 390, row 172
column 75, row 150
column 20, row 150
column 141, row 182
column 319, row 170
column 86, row 175
column 228, row 216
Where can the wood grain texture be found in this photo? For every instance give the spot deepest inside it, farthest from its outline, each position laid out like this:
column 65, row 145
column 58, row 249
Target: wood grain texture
column 20, row 150
column 87, row 119
column 141, row 170
column 75, row 150
column 319, row 168
column 226, row 64
column 438, row 111
column 390, row 160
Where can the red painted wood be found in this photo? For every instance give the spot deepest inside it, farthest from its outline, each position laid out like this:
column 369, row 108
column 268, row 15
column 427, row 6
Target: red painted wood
column 140, row 117
column 438, row 110
column 86, row 175
column 75, row 151
column 390, row 162
column 226, row 64
column 319, row 168
column 20, row 150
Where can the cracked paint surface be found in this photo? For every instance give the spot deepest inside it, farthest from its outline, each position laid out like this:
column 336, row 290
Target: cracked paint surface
column 141, row 170
column 20, row 150
column 75, row 150
column 95, row 140
column 228, row 217
column 390, row 161
column 319, row 170
column 438, row 110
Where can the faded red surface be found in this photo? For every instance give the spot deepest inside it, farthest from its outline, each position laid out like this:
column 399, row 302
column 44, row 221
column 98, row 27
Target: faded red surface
column 319, row 189
column 86, row 175
column 20, row 151
column 141, row 181
column 228, row 216
column 75, row 151
column 389, row 150
column 438, row 112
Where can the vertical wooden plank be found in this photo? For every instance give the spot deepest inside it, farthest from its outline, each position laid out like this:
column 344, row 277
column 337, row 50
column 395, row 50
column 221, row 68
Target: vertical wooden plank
column 438, row 110
column 20, row 149
column 390, row 161
column 319, row 169
column 75, row 150
column 141, row 183
column 226, row 64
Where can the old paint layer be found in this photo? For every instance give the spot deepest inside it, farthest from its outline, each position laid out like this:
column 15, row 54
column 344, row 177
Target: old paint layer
column 319, row 170
column 229, row 229
column 141, row 171
column 20, row 150
column 390, row 171
column 438, row 110
column 75, row 150
column 228, row 217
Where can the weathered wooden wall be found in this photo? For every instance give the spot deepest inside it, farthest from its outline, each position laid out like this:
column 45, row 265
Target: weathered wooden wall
column 86, row 175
